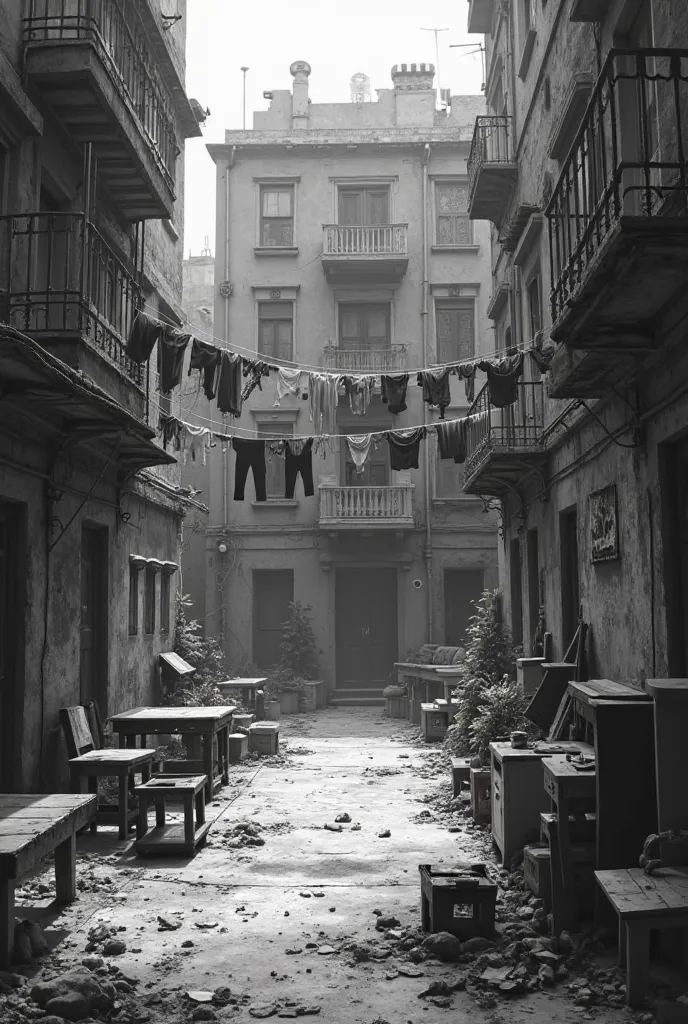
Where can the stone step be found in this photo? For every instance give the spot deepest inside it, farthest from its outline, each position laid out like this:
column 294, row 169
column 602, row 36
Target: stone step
column 357, row 702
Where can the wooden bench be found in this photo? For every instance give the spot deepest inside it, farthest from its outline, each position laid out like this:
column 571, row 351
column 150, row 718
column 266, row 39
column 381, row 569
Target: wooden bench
column 31, row 827
column 643, row 903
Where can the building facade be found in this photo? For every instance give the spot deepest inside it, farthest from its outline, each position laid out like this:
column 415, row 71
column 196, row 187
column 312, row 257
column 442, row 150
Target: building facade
column 343, row 242
column 93, row 118
column 580, row 165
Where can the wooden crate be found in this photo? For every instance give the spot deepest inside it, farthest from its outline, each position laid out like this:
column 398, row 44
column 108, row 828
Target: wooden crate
column 537, row 871
column 434, row 722
column 481, row 803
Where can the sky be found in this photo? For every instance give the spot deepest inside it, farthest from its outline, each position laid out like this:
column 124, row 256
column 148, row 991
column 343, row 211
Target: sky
column 267, row 36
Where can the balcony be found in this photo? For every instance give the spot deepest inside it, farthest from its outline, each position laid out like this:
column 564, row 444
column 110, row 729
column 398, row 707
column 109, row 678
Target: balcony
column 391, row 359
column 94, row 65
column 492, row 170
column 365, row 254
column 504, row 445
column 365, row 508
column 480, row 15
column 62, row 284
column 617, row 221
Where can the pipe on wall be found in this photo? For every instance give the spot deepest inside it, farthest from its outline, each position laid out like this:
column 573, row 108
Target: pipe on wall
column 225, row 451
column 425, row 162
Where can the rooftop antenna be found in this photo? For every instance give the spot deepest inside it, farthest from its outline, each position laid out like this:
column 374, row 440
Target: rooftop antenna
column 436, row 32
column 244, row 70
column 472, row 48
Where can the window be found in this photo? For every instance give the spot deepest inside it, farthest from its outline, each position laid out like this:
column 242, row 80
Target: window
column 274, row 464
column 165, row 603
column 452, row 224
column 276, row 330
column 364, row 327
column 149, row 600
column 455, row 330
column 133, row 601
column 534, row 306
column 449, row 479
column 277, row 215
column 528, row 15
column 363, row 206
column 376, row 471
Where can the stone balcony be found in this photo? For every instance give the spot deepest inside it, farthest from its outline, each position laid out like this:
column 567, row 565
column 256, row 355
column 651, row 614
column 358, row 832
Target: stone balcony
column 365, row 253
column 391, row 359
column 366, row 508
column 492, row 169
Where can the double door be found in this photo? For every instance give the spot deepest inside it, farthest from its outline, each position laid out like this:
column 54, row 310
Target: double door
column 366, row 627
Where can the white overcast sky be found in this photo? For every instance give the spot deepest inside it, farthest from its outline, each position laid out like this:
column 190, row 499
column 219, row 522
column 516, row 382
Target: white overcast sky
column 268, row 35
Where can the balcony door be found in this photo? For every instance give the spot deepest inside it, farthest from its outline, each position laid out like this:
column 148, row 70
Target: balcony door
column 363, row 207
column 365, row 627
column 364, row 327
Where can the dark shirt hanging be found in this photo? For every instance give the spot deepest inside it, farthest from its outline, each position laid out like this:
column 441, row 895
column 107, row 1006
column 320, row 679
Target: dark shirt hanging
column 436, row 390
column 171, row 430
column 451, row 440
column 172, row 348
column 404, row 447
column 394, row 392
column 229, row 384
column 467, row 374
column 143, row 334
column 502, row 379
column 206, row 358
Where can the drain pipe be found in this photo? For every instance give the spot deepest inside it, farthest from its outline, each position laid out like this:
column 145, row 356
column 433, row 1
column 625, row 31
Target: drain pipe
column 425, row 161
column 226, row 297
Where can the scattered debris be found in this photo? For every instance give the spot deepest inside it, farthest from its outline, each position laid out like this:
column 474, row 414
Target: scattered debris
column 344, row 818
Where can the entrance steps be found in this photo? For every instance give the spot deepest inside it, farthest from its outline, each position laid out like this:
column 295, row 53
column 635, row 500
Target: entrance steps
column 357, row 698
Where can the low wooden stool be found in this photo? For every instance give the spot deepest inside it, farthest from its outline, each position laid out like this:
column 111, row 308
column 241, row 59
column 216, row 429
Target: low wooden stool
column 238, row 746
column 443, row 889
column 189, row 790
column 481, row 794
column 243, row 721
column 644, row 902
column 263, row 737
column 461, row 774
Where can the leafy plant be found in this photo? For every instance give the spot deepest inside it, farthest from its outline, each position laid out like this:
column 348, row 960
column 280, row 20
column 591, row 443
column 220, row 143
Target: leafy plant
column 298, row 649
column 206, row 656
column 501, row 712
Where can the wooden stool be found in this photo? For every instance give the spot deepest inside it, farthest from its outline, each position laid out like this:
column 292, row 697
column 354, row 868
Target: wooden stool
column 443, row 889
column 243, row 721
column 263, row 737
column 238, row 746
column 189, row 790
column 461, row 774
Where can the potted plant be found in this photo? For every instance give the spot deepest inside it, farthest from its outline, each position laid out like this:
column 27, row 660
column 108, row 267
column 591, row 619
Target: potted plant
column 298, row 660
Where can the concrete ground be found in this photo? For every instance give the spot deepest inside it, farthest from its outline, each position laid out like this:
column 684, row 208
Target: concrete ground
column 272, row 922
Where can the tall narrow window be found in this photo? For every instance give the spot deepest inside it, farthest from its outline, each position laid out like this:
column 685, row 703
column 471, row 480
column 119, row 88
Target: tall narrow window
column 455, row 322
column 364, row 327
column 276, row 330
column 165, row 603
column 516, row 591
column 453, row 226
column 133, row 600
column 275, row 464
column 533, row 582
column 149, row 600
column 570, row 594
column 534, row 306
column 277, row 215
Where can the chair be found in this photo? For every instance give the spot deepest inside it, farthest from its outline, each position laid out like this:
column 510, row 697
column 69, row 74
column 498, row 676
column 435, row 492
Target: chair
column 88, row 762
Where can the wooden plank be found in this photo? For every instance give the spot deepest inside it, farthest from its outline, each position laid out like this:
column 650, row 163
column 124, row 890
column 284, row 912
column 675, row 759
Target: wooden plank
column 167, row 839
column 601, row 689
column 19, row 853
column 66, row 800
column 547, row 698
column 114, row 756
column 560, row 719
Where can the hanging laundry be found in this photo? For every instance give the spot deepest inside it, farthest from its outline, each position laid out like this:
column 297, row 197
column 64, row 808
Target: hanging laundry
column 436, row 391
column 324, row 397
column 360, row 392
column 255, row 370
column 467, row 374
column 404, row 447
column 173, row 344
column 502, row 379
column 394, row 392
column 299, row 459
column 288, row 383
column 359, row 448
column 143, row 334
column 196, row 442
column 229, row 384
column 451, row 440
column 206, row 358
column 170, row 428
column 249, row 455
column 542, row 355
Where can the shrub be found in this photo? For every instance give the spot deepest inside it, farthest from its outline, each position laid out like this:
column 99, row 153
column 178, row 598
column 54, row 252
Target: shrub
column 298, row 649
column 206, row 656
column 501, row 711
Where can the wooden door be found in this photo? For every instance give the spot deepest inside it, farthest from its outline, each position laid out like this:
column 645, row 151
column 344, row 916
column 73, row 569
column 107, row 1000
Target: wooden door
column 93, row 645
column 365, row 627
column 570, row 591
column 273, row 592
column 461, row 588
column 11, row 604
column 364, row 326
column 363, row 206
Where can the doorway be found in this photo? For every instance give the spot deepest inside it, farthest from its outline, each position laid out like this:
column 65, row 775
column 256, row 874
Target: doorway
column 365, row 627
column 94, row 617
column 363, row 206
column 674, row 498
column 11, row 643
column 534, row 596
column 570, row 591
column 516, row 591
column 461, row 588
column 273, row 592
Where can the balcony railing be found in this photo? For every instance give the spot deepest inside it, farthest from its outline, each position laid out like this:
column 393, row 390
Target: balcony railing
column 515, row 430
column 366, row 240
column 492, row 145
column 628, row 161
column 366, row 505
column 365, row 360
column 59, row 277
column 115, row 29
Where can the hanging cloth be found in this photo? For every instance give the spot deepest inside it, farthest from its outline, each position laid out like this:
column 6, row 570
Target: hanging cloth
column 324, row 397
column 249, row 455
column 170, row 429
column 288, row 383
column 394, row 392
column 467, row 374
column 436, row 391
column 542, row 355
column 206, row 358
column 143, row 334
column 173, row 344
column 196, row 442
column 404, row 447
column 451, row 440
column 359, row 449
column 360, row 392
column 255, row 370
column 299, row 459
column 229, row 384
column 502, row 379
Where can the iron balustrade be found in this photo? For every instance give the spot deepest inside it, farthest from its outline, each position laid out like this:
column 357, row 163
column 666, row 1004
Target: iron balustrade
column 58, row 276
column 491, row 144
column 366, row 240
column 518, row 427
column 628, row 160
column 365, row 360
column 115, row 29
column 366, row 503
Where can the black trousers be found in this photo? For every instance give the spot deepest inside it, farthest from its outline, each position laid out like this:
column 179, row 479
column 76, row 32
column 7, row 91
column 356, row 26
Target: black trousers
column 249, row 455
column 296, row 464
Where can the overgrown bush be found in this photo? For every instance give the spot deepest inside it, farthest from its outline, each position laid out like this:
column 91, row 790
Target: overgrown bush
column 206, row 656
column 501, row 712
column 298, row 654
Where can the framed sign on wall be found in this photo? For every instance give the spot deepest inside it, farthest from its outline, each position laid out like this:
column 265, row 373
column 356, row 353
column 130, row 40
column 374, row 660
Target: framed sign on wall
column 604, row 524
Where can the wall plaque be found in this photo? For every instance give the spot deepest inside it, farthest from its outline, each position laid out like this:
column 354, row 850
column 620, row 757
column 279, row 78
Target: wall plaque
column 604, row 524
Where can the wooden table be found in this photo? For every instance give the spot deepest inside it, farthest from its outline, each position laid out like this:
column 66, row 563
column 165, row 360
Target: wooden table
column 644, row 902
column 204, row 722
column 246, row 687
column 31, row 827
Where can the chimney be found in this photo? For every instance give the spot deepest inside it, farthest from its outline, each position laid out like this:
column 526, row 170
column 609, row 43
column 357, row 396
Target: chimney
column 414, row 96
column 300, row 70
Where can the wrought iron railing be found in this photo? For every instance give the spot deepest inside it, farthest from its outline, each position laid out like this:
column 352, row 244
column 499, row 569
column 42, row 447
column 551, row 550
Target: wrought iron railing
column 366, row 503
column 115, row 29
column 58, row 276
column 365, row 240
column 492, row 144
column 516, row 427
column 628, row 160
column 365, row 360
